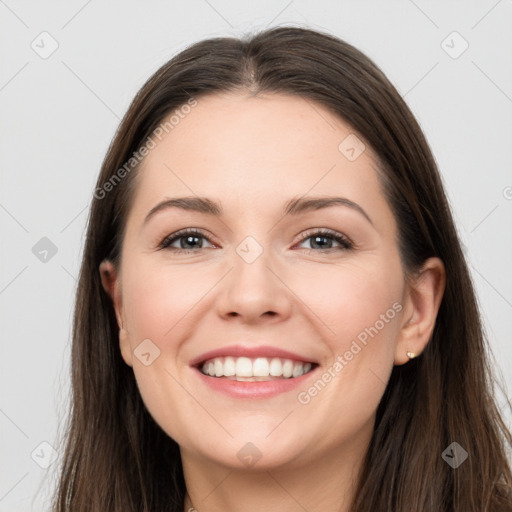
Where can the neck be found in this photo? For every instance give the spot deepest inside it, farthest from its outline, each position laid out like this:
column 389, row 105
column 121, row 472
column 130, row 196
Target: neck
column 327, row 482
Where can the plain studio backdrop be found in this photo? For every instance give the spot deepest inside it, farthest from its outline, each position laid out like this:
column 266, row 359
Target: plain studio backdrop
column 67, row 75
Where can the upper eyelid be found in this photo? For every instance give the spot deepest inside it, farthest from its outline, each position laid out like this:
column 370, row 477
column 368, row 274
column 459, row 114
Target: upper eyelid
column 182, row 233
column 329, row 233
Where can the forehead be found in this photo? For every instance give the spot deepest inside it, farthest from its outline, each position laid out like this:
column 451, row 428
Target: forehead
column 252, row 150
column 265, row 127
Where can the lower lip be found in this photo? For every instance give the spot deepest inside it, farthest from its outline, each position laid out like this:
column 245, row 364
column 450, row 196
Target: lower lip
column 261, row 389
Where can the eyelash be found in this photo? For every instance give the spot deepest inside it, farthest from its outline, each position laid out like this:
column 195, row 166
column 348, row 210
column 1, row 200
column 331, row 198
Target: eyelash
column 345, row 242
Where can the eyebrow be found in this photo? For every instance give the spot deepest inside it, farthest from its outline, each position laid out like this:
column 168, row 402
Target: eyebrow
column 294, row 206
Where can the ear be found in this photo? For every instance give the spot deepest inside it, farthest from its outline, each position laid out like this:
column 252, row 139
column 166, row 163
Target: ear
column 111, row 283
column 423, row 298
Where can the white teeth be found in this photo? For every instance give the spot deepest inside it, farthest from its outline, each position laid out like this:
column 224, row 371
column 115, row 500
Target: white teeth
column 287, row 368
column 262, row 368
column 229, row 367
column 219, row 370
column 243, row 367
column 297, row 370
column 276, row 368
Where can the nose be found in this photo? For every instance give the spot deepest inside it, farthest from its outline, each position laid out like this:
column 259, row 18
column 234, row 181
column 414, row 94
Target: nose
column 255, row 291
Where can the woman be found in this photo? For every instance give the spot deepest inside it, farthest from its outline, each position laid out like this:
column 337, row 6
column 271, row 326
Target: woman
column 273, row 310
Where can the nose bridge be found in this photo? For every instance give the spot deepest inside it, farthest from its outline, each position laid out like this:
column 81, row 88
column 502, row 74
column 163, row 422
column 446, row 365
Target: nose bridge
column 251, row 267
column 252, row 289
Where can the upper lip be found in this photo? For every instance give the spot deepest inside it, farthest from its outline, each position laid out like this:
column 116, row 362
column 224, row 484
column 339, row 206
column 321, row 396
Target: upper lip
column 251, row 352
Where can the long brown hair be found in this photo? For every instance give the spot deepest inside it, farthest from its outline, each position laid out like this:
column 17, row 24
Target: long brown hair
column 118, row 459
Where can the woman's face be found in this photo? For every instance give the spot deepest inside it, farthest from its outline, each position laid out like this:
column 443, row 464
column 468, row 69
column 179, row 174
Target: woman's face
column 259, row 285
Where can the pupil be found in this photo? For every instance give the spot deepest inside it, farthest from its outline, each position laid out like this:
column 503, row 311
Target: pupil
column 188, row 240
column 315, row 241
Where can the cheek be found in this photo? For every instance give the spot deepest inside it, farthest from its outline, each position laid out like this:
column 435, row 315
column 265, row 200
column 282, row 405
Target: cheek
column 157, row 302
column 156, row 299
column 353, row 301
column 361, row 306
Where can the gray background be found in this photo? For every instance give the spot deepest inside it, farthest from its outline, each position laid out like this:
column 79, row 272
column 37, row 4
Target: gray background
column 59, row 114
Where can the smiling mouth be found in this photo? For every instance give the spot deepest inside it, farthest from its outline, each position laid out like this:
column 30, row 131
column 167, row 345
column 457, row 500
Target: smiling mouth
column 256, row 369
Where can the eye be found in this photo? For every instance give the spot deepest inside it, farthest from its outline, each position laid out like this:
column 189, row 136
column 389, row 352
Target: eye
column 323, row 239
column 189, row 241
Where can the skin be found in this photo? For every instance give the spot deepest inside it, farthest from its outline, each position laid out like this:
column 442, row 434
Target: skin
column 253, row 154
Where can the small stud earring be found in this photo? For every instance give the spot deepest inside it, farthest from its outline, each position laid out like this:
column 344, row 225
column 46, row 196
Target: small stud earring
column 411, row 355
